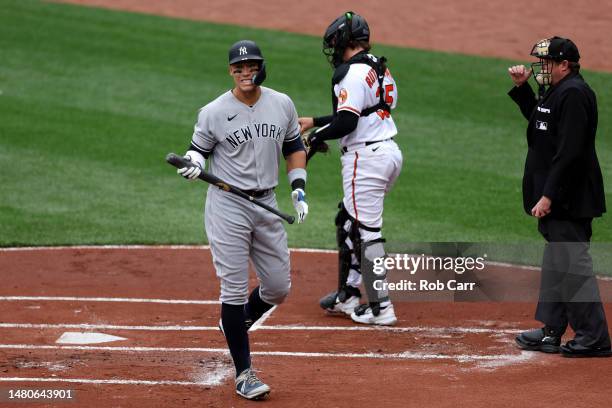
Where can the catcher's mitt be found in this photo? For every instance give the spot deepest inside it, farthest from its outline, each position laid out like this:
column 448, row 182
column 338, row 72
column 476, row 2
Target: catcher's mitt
column 312, row 144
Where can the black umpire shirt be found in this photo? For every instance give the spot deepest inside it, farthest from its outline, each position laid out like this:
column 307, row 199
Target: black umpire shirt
column 561, row 160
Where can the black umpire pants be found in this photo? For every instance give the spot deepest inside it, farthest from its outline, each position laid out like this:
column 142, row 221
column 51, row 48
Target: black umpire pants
column 568, row 289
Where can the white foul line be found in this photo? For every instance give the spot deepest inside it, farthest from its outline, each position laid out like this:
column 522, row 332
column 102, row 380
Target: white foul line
column 113, row 348
column 110, row 299
column 89, row 381
column 87, row 247
column 128, row 247
column 414, row 329
column 104, row 327
column 206, row 247
column 406, row 355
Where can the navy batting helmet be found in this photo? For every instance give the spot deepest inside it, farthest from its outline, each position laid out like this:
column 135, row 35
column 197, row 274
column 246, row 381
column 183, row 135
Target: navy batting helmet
column 244, row 50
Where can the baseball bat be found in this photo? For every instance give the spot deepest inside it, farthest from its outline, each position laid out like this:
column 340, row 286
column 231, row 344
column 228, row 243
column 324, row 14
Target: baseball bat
column 180, row 162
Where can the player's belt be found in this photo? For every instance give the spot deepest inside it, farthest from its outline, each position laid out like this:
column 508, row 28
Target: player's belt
column 258, row 193
column 357, row 146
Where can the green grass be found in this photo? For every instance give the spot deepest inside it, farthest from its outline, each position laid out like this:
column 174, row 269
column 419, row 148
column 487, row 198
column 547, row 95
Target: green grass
column 92, row 100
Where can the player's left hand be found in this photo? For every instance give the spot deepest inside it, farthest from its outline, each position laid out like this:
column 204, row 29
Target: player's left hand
column 190, row 172
column 197, row 162
column 306, row 123
column 298, row 196
column 542, row 207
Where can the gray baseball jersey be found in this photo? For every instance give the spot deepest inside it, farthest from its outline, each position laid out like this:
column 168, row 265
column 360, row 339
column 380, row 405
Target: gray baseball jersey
column 241, row 137
column 245, row 144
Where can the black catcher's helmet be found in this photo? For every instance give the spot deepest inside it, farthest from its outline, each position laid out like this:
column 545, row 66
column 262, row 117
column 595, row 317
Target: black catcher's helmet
column 246, row 50
column 346, row 28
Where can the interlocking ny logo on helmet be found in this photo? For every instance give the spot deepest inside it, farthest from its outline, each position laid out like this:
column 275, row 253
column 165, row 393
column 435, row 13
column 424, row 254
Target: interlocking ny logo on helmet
column 244, row 50
column 338, row 36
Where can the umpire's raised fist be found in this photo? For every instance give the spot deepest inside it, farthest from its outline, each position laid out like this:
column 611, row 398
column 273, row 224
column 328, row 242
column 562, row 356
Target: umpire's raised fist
column 519, row 74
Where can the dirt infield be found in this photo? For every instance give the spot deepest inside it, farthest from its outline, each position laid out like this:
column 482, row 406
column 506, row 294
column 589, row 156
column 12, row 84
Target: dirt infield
column 479, row 27
column 163, row 302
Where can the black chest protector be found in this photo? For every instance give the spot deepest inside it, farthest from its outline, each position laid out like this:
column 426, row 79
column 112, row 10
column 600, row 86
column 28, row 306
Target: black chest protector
column 379, row 66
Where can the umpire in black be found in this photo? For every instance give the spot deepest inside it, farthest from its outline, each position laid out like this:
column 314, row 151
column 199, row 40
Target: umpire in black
column 563, row 188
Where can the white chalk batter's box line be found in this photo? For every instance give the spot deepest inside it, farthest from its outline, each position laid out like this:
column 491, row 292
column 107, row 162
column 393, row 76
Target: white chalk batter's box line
column 412, row 329
column 215, row 378
column 258, row 326
column 98, row 382
column 107, row 299
column 464, row 358
column 406, row 355
column 155, row 247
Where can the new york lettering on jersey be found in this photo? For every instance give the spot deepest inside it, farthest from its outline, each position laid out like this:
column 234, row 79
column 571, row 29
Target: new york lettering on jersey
column 235, row 138
column 245, row 142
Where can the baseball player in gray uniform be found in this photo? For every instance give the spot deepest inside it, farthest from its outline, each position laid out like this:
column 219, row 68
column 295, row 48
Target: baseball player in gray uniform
column 242, row 134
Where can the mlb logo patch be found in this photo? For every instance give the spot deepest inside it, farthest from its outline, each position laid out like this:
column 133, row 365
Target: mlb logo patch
column 541, row 125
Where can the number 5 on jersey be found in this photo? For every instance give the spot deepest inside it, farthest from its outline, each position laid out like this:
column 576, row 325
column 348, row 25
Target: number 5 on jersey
column 388, row 100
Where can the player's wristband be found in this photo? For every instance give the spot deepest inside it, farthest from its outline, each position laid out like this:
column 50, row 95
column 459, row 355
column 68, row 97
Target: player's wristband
column 297, row 178
column 299, row 183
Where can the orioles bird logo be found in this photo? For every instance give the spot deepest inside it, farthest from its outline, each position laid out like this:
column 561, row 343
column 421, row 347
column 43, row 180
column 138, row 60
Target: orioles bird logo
column 342, row 96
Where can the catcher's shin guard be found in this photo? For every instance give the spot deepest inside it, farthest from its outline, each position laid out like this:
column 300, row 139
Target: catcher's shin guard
column 345, row 297
column 341, row 218
column 373, row 273
column 345, row 265
column 344, row 251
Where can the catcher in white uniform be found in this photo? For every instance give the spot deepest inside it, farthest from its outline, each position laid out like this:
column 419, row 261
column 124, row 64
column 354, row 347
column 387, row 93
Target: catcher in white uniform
column 363, row 94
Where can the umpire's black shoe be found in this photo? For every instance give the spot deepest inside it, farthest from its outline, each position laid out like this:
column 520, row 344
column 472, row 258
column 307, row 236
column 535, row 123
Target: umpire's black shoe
column 545, row 339
column 573, row 349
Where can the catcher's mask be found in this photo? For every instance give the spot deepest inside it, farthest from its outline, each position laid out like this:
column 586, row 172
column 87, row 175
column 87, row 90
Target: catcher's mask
column 548, row 50
column 346, row 28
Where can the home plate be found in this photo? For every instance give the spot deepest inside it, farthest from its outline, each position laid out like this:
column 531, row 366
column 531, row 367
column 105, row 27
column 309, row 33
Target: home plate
column 86, row 338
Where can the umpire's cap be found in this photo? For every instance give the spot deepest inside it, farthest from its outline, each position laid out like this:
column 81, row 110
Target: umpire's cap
column 556, row 48
column 244, row 50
